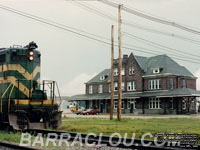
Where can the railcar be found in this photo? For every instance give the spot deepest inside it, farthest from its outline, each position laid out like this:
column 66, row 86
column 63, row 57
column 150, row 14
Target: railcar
column 25, row 102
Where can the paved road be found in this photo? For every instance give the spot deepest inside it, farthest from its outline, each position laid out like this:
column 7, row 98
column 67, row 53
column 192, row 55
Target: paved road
column 132, row 116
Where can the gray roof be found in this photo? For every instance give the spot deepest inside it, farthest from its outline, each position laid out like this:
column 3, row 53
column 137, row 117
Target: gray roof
column 167, row 65
column 167, row 93
column 142, row 61
column 97, row 77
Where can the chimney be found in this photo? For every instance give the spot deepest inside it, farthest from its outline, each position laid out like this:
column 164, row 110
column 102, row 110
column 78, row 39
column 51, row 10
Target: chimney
column 125, row 56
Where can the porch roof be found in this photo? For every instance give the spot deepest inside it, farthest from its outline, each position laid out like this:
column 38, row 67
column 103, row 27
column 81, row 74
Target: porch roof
column 182, row 92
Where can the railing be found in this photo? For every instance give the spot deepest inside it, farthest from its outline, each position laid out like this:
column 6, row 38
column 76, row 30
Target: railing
column 51, row 85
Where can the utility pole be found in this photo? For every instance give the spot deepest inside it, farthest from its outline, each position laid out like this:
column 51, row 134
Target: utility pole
column 112, row 74
column 120, row 66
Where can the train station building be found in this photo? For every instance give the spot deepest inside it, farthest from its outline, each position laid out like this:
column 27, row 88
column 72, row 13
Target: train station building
column 153, row 85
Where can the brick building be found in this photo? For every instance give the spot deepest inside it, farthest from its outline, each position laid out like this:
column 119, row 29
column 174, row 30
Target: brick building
column 154, row 85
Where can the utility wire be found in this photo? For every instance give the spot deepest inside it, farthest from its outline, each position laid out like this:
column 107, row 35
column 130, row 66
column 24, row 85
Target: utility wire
column 131, row 24
column 152, row 18
column 86, row 36
column 163, row 46
column 170, row 49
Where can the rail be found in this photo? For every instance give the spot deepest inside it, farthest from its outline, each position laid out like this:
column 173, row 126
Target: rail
column 106, row 140
column 15, row 146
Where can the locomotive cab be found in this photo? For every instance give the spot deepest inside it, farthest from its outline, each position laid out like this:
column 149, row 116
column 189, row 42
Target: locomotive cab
column 25, row 102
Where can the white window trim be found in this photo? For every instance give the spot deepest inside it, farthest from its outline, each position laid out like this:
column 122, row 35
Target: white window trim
column 116, row 102
column 100, row 88
column 131, row 70
column 129, row 84
column 123, row 86
column 115, row 83
column 154, row 84
column 90, row 89
column 156, row 70
column 123, row 71
column 153, row 101
column 131, row 101
column 184, row 103
column 116, row 73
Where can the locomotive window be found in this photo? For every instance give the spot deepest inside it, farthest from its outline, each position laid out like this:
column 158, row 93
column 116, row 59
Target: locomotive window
column 19, row 57
column 2, row 58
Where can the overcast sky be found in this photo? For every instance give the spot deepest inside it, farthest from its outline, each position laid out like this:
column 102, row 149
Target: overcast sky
column 71, row 59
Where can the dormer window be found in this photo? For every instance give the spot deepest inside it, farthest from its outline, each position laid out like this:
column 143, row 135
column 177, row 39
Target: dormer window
column 103, row 77
column 156, row 70
column 131, row 70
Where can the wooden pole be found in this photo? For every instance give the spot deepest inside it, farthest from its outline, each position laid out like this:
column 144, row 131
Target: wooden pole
column 112, row 74
column 120, row 66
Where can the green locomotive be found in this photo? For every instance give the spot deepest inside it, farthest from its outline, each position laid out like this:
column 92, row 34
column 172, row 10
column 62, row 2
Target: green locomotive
column 24, row 102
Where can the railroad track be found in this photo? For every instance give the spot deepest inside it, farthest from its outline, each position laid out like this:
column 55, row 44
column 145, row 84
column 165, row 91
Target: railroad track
column 14, row 146
column 108, row 141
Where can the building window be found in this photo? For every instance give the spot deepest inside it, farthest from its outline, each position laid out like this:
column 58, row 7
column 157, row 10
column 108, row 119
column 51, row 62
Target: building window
column 116, row 72
column 171, row 83
column 192, row 103
column 115, row 86
column 123, row 86
column 129, row 103
column 100, row 88
column 171, row 104
column 131, row 70
column 154, row 84
column 131, row 86
column 116, row 104
column 109, row 88
column 183, row 84
column 123, row 71
column 184, row 103
column 156, row 70
column 90, row 89
column 154, row 103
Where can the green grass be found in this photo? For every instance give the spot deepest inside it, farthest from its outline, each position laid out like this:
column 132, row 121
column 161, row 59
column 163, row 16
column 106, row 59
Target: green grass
column 129, row 126
column 10, row 136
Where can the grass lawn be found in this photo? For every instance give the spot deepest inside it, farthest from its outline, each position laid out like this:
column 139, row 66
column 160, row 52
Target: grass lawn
column 10, row 136
column 129, row 126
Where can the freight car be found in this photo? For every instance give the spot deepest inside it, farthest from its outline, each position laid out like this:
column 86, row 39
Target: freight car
column 24, row 101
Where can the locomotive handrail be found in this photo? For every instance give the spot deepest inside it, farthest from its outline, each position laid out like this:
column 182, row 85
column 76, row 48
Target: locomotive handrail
column 4, row 94
column 9, row 97
column 59, row 94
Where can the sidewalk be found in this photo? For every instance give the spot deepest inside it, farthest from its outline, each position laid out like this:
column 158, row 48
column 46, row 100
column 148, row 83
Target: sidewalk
column 106, row 116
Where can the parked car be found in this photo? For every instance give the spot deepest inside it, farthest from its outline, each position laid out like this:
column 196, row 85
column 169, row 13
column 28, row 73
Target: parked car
column 78, row 112
column 91, row 112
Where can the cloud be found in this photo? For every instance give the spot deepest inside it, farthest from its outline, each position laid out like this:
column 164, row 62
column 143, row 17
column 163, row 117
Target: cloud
column 76, row 85
column 197, row 74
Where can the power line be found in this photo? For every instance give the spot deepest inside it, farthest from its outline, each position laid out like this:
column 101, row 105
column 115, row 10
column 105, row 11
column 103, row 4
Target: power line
column 108, row 16
column 163, row 46
column 86, row 36
column 134, row 25
column 152, row 18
